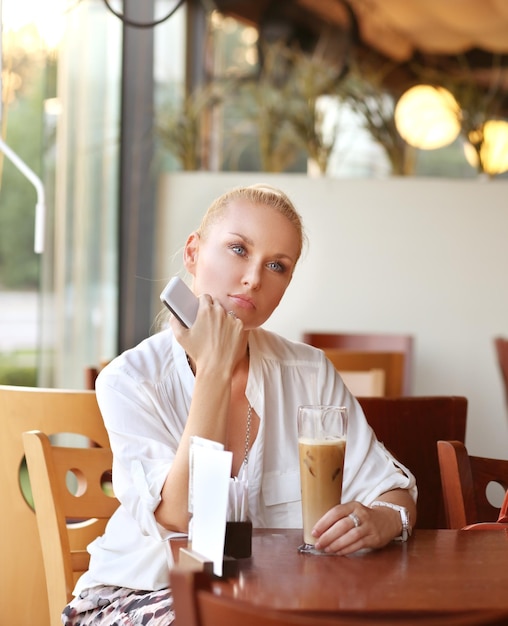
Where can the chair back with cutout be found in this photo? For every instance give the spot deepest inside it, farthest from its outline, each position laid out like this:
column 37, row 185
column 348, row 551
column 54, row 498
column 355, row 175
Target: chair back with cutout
column 23, row 595
column 71, row 489
column 465, row 479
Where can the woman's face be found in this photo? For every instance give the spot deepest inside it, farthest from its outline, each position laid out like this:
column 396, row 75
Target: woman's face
column 245, row 260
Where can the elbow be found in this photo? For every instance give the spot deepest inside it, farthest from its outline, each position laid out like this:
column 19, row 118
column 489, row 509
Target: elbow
column 170, row 521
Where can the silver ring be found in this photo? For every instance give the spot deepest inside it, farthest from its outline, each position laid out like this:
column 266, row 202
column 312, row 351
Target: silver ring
column 233, row 314
column 355, row 519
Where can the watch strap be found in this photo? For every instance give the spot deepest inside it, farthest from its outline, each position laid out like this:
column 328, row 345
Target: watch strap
column 404, row 518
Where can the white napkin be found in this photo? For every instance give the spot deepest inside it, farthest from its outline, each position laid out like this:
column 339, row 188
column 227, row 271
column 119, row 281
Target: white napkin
column 210, row 478
column 238, row 507
column 196, row 441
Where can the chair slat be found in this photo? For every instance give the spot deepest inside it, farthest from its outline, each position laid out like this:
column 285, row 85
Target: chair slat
column 465, row 480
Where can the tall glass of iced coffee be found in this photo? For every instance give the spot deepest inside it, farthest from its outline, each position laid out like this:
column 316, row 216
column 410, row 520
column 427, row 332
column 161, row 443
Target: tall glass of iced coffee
column 322, row 447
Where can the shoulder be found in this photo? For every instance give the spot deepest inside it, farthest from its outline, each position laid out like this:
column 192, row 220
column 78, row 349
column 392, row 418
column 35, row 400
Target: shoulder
column 149, row 361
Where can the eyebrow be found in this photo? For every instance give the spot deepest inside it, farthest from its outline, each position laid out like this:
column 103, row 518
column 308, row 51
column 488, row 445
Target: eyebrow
column 277, row 255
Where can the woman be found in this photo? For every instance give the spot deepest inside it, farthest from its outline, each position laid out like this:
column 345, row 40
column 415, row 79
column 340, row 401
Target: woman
column 227, row 380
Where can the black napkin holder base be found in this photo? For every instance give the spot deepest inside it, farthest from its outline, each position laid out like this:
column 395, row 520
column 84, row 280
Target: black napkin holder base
column 238, row 540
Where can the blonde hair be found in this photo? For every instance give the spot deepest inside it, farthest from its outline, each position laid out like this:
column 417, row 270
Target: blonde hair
column 259, row 194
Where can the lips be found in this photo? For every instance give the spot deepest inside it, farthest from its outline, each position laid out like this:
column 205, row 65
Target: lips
column 243, row 302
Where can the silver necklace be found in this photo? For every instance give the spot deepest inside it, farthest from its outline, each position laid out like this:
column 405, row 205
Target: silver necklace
column 249, row 421
column 247, row 435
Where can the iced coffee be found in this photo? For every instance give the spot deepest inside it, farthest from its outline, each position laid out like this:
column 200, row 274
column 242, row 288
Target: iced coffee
column 321, row 469
column 322, row 448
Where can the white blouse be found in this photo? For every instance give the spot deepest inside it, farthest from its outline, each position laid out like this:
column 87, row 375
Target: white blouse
column 145, row 395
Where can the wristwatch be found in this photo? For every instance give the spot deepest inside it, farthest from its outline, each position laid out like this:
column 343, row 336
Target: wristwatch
column 404, row 518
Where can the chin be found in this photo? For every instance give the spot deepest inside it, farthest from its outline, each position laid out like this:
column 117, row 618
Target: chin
column 254, row 325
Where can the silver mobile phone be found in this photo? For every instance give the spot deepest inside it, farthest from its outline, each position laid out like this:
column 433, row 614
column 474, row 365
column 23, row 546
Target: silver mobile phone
column 180, row 301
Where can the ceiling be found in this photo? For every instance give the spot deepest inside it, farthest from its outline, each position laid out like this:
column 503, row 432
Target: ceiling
column 401, row 28
column 450, row 37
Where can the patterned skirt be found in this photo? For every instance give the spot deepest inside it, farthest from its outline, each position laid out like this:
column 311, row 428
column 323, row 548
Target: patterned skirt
column 118, row 606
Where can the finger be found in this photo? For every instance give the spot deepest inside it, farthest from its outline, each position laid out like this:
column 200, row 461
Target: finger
column 337, row 514
column 355, row 519
column 350, row 539
column 176, row 325
column 342, row 531
column 349, row 549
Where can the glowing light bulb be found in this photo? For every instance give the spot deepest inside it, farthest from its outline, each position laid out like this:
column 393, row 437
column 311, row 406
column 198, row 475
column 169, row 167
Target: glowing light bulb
column 427, row 117
column 493, row 147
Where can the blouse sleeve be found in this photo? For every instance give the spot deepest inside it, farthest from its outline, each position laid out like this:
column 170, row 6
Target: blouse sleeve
column 144, row 426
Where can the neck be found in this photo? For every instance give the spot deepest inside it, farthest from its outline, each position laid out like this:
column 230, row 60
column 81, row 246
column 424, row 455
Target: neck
column 242, row 361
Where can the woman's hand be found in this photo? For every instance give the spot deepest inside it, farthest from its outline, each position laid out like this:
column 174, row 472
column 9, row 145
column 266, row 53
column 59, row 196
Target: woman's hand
column 353, row 526
column 215, row 338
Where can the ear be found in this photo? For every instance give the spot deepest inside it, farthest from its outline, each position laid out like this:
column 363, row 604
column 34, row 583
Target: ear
column 191, row 252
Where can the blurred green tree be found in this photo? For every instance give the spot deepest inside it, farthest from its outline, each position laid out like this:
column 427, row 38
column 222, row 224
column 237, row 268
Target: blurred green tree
column 24, row 80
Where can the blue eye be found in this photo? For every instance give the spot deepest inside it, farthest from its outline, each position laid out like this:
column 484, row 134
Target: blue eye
column 277, row 267
column 238, row 249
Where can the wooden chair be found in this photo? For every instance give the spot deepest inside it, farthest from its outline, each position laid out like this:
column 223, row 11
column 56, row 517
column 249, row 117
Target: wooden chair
column 23, row 596
column 62, row 506
column 501, row 346
column 370, row 383
column 91, row 372
column 196, row 604
column 369, row 342
column 392, row 363
column 465, row 479
column 410, row 428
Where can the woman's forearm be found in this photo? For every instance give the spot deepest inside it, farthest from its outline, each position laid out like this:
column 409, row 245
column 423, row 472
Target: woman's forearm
column 208, row 419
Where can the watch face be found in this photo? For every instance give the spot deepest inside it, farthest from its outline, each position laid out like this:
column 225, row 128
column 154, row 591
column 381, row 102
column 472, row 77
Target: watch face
column 406, row 528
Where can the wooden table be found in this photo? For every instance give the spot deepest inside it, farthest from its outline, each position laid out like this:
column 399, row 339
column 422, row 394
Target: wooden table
column 435, row 570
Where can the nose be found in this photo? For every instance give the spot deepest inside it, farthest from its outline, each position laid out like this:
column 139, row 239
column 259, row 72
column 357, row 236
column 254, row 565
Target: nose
column 252, row 276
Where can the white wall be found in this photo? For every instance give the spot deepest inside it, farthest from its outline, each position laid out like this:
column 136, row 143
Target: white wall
column 421, row 256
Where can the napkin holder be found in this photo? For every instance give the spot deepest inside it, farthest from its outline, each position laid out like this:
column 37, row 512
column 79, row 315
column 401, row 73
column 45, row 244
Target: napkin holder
column 238, row 540
column 237, row 546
